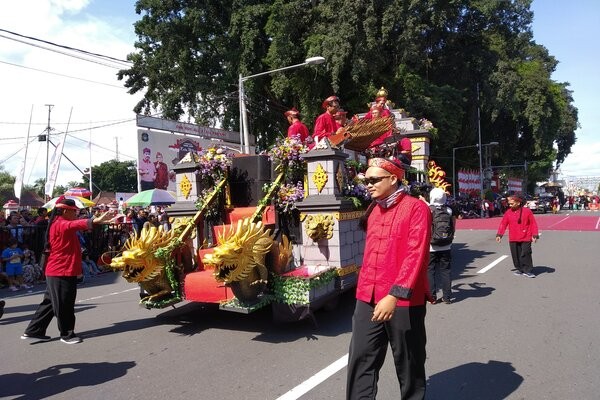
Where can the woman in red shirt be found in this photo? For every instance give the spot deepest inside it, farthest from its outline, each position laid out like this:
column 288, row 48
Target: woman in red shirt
column 62, row 268
column 522, row 230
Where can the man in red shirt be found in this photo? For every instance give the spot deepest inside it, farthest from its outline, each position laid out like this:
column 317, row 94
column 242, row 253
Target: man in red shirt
column 325, row 124
column 381, row 102
column 522, row 230
column 62, row 268
column 392, row 286
column 297, row 129
column 341, row 119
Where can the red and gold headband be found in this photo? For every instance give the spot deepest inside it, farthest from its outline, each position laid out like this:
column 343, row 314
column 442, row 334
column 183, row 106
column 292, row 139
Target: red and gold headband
column 67, row 207
column 389, row 166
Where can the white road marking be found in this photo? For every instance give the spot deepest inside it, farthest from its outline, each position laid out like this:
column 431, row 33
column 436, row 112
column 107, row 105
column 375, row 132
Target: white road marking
column 108, row 295
column 598, row 223
column 558, row 222
column 315, row 380
column 30, row 292
column 492, row 265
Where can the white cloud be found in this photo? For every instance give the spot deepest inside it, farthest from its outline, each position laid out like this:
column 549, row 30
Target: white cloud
column 583, row 161
column 67, row 23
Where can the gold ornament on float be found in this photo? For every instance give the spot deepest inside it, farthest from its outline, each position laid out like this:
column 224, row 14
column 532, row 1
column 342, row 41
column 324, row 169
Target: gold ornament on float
column 185, row 186
column 437, row 176
column 319, row 226
column 339, row 176
column 320, row 177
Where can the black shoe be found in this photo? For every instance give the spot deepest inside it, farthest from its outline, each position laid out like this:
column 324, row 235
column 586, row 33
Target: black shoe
column 517, row 272
column 31, row 336
column 528, row 275
column 2, row 304
column 71, row 339
column 446, row 300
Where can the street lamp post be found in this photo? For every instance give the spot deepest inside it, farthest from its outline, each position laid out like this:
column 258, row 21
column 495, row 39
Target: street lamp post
column 454, row 163
column 244, row 129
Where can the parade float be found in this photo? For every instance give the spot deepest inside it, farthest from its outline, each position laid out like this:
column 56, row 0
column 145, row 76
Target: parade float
column 278, row 229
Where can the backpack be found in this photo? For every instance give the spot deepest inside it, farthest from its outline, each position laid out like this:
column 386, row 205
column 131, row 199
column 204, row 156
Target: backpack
column 442, row 228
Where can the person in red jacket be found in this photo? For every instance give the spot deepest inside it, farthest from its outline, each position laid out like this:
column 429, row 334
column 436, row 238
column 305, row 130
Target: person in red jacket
column 325, row 124
column 522, row 230
column 62, row 268
column 392, row 286
column 297, row 129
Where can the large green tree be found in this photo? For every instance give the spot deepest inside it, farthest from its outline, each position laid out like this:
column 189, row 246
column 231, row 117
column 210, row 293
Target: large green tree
column 469, row 66
column 113, row 176
column 7, row 182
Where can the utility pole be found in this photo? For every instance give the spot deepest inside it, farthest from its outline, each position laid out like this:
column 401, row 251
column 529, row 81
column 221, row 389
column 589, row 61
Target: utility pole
column 117, row 146
column 481, row 194
column 48, row 138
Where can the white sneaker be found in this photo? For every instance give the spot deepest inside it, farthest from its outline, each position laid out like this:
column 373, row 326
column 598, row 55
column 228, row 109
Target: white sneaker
column 13, row 289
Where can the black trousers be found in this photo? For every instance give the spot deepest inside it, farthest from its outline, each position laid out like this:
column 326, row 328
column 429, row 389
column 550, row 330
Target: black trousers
column 438, row 272
column 59, row 302
column 405, row 332
column 521, row 256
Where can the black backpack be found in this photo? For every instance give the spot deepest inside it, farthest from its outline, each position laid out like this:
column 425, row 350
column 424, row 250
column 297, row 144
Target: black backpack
column 442, row 227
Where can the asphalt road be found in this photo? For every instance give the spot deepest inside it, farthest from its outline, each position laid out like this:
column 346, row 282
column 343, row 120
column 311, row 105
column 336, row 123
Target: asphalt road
column 504, row 337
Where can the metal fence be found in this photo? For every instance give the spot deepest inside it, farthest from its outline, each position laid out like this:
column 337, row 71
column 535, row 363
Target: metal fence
column 102, row 238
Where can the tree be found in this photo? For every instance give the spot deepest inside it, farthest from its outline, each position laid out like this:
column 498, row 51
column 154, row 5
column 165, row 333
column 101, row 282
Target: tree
column 113, row 176
column 441, row 60
column 39, row 186
column 7, row 182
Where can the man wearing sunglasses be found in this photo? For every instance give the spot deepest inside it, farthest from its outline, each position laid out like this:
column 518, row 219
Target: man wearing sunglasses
column 392, row 286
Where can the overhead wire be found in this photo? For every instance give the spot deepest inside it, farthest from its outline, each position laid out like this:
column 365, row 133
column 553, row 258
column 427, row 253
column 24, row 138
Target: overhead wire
column 63, row 75
column 126, row 63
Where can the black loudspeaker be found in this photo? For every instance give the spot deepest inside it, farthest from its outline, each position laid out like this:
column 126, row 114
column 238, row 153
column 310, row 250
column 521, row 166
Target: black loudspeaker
column 247, row 176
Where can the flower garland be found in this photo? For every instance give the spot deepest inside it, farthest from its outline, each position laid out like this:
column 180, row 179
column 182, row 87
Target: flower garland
column 287, row 196
column 296, row 290
column 355, row 190
column 212, row 166
column 286, row 153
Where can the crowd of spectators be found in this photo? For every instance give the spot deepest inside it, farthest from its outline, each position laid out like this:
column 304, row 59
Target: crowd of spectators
column 22, row 235
column 583, row 202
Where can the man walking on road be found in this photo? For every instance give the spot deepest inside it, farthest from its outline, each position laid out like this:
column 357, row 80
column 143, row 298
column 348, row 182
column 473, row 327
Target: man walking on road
column 522, row 230
column 392, row 287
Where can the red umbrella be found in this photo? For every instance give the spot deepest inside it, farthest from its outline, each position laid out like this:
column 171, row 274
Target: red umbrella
column 78, row 191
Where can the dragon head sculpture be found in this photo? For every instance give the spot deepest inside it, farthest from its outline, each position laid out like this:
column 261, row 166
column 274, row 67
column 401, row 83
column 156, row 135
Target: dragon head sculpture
column 138, row 261
column 149, row 260
column 241, row 250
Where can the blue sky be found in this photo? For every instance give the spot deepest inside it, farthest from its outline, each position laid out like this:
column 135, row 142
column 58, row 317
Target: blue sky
column 570, row 31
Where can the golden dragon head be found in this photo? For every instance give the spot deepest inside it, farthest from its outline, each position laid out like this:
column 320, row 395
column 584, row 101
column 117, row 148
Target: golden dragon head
column 138, row 261
column 240, row 249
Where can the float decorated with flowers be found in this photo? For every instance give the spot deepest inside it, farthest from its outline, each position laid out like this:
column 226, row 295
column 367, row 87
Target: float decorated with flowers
column 278, row 229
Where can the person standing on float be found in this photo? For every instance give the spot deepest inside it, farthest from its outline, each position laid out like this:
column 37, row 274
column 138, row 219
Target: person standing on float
column 325, row 124
column 297, row 128
column 341, row 119
column 381, row 102
column 392, row 286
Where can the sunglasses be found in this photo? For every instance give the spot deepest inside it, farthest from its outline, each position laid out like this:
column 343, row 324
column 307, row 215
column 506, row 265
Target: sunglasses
column 375, row 179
